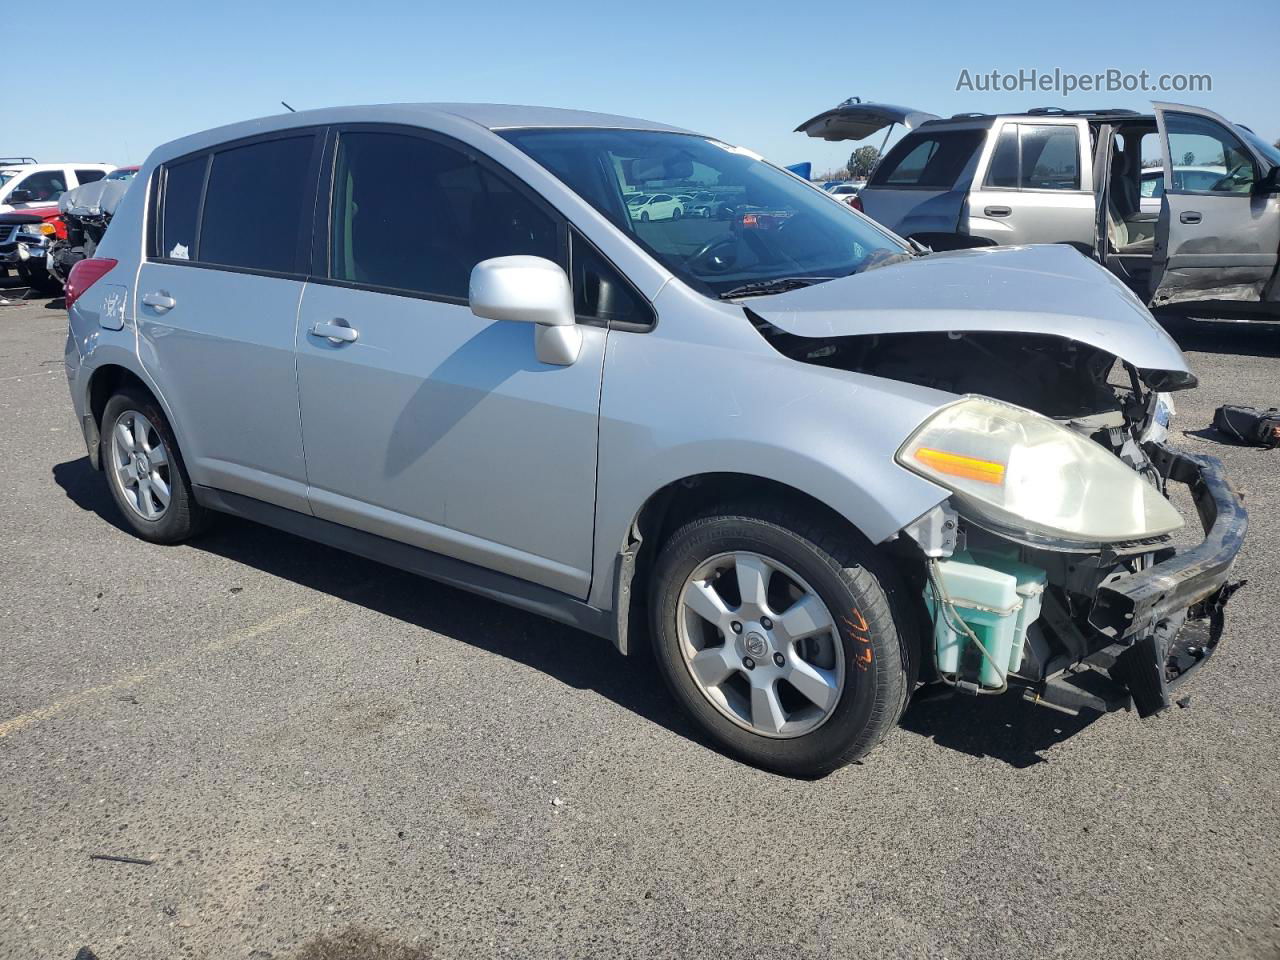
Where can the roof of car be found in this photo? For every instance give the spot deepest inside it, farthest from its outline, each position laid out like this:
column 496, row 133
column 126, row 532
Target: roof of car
column 1100, row 114
column 491, row 116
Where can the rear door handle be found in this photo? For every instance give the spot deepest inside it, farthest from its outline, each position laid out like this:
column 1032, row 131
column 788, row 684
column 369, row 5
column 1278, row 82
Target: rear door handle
column 997, row 211
column 159, row 301
column 1190, row 216
column 336, row 331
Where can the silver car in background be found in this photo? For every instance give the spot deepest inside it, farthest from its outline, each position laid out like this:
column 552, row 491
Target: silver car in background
column 814, row 466
column 1082, row 178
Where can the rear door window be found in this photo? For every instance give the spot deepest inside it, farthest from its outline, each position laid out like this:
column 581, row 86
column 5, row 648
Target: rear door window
column 256, row 210
column 933, row 160
column 1035, row 156
column 410, row 213
column 1050, row 156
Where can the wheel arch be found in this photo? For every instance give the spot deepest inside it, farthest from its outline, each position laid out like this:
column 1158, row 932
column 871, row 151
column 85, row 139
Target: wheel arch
column 671, row 506
column 104, row 382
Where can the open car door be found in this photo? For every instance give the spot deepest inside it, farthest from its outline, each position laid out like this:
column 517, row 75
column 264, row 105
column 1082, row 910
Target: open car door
column 1218, row 234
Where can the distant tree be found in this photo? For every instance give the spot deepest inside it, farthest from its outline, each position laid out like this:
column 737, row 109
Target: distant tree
column 1188, row 158
column 862, row 161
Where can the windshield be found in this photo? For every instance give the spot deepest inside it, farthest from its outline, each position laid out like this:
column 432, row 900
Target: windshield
column 1268, row 150
column 760, row 225
column 121, row 174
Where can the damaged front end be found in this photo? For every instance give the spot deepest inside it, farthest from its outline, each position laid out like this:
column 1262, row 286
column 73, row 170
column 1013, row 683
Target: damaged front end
column 1056, row 564
column 1103, row 628
column 1053, row 568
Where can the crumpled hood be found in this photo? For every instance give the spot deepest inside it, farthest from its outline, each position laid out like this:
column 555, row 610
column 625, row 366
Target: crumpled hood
column 94, row 199
column 1044, row 288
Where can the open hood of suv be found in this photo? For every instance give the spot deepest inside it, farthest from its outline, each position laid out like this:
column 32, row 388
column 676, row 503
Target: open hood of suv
column 854, row 120
column 1045, row 289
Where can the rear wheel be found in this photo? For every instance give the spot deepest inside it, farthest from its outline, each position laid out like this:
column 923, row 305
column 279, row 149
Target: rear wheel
column 777, row 637
column 144, row 470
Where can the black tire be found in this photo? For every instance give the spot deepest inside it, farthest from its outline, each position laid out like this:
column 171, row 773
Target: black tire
column 183, row 517
column 644, row 216
column 675, row 214
column 848, row 575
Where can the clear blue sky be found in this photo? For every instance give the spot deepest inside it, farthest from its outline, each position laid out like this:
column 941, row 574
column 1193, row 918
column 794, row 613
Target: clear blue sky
column 127, row 77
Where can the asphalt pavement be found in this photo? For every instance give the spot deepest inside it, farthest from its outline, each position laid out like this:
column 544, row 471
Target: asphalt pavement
column 301, row 743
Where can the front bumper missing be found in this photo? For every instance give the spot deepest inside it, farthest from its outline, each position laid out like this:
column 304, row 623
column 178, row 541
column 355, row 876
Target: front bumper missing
column 1136, row 603
column 1174, row 609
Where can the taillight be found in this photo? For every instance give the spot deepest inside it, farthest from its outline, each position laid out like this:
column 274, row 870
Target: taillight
column 856, row 203
column 84, row 275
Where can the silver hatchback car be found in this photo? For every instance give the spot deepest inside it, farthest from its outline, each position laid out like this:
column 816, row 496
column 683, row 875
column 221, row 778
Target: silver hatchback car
column 818, row 468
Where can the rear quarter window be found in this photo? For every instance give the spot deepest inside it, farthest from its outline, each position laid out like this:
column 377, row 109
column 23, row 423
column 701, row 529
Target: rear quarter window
column 933, row 160
column 181, row 186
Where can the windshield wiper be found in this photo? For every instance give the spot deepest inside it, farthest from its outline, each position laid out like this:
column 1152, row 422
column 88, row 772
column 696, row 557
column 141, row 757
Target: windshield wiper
column 779, row 285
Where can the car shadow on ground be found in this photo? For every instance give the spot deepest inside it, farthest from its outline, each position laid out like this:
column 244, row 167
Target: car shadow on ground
column 1003, row 728
column 1242, row 333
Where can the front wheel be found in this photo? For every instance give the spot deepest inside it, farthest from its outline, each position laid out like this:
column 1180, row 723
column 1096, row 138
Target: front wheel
column 777, row 637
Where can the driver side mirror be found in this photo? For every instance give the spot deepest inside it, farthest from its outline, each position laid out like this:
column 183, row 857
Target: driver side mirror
column 20, row 196
column 529, row 290
column 1270, row 184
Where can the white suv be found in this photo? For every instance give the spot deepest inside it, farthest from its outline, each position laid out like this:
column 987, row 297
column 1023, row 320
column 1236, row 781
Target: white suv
column 26, row 186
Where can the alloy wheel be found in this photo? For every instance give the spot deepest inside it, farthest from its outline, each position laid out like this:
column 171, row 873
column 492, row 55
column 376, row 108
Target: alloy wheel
column 140, row 465
column 760, row 644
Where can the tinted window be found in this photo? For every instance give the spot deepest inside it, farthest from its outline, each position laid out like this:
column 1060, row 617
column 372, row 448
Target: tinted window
column 1003, row 171
column 413, row 214
column 1035, row 156
column 1050, row 157
column 90, row 176
column 255, row 205
column 182, row 185
column 928, row 159
column 599, row 290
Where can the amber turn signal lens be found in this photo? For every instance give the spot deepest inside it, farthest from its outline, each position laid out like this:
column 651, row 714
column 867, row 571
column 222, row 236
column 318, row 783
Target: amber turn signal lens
column 953, row 464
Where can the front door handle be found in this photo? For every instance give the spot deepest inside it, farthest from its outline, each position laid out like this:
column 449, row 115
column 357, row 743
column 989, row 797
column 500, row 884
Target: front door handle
column 1190, row 216
column 336, row 331
column 159, row 301
column 997, row 211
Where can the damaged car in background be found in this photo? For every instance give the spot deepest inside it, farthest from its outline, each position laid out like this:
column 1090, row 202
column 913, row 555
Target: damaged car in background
column 823, row 467
column 86, row 213
column 1081, row 177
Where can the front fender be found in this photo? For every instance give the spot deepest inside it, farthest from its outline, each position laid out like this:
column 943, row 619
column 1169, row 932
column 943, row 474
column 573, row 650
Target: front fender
column 671, row 409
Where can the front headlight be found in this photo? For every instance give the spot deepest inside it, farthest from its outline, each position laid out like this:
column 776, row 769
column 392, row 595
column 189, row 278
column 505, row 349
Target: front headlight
column 1023, row 472
column 37, row 229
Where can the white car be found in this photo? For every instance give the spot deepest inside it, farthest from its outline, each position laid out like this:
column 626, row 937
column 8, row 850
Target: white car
column 656, row 206
column 1151, row 189
column 28, row 186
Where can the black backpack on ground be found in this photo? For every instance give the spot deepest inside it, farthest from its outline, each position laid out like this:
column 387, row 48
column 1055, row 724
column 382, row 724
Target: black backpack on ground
column 1251, row 425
